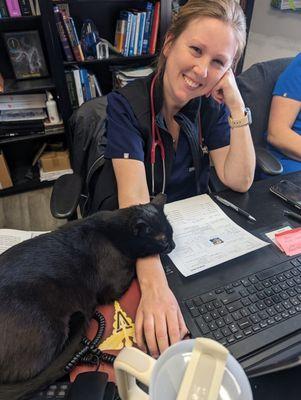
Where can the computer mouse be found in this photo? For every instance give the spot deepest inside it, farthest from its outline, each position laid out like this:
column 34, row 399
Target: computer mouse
column 91, row 386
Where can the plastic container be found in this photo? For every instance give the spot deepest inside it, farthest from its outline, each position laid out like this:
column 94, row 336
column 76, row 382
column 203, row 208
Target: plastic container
column 198, row 369
column 52, row 110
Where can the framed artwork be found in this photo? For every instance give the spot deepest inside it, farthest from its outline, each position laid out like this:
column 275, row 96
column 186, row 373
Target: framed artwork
column 26, row 54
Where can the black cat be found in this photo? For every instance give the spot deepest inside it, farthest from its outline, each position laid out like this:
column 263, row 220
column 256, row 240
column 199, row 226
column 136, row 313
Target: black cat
column 48, row 280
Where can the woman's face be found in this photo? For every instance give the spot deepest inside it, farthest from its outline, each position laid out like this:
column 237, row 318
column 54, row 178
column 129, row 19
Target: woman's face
column 197, row 60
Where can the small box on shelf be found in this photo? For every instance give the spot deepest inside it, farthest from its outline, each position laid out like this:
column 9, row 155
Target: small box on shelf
column 55, row 161
column 5, row 179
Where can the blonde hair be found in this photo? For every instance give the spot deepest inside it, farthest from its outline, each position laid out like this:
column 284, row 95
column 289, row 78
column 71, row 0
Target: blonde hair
column 228, row 11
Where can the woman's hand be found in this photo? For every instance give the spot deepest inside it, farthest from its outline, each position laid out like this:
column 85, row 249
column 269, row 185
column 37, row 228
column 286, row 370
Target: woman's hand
column 159, row 321
column 226, row 91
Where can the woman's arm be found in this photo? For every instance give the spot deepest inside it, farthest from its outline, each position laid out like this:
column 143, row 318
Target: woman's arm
column 159, row 321
column 283, row 114
column 235, row 164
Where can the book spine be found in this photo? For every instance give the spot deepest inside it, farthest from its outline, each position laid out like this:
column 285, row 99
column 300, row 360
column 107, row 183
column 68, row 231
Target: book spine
column 147, row 29
column 97, row 87
column 78, row 85
column 37, row 7
column 73, row 38
column 128, row 33
column 85, row 84
column 62, row 34
column 133, row 33
column 13, row 8
column 25, row 7
column 32, row 8
column 71, row 89
column 92, row 86
column 138, row 19
column 155, row 27
column 3, row 9
column 141, row 33
column 120, row 34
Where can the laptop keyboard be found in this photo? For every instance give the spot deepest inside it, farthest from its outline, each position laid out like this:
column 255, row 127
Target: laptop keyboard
column 245, row 307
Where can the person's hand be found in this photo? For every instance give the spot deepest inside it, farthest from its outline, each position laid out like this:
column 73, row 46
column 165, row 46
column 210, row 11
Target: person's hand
column 226, row 91
column 159, row 321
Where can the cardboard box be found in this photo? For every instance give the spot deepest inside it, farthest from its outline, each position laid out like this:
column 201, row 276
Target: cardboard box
column 55, row 161
column 5, row 179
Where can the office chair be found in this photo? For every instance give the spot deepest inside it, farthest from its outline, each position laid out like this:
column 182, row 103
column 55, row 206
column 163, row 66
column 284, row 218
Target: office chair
column 256, row 85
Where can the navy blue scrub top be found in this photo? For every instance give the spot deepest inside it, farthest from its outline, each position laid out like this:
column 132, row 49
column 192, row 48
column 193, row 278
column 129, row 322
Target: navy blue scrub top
column 125, row 141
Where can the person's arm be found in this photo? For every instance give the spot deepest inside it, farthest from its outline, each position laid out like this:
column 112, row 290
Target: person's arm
column 159, row 321
column 283, row 114
column 234, row 164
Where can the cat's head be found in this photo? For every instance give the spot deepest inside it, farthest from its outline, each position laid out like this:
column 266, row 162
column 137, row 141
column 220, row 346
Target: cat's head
column 148, row 230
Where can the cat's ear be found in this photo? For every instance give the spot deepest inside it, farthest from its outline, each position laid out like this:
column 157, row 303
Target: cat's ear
column 141, row 228
column 159, row 200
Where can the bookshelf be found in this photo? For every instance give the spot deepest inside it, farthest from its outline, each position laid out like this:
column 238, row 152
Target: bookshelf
column 19, row 151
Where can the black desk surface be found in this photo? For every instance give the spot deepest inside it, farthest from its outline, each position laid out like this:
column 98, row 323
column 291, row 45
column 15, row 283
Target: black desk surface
column 285, row 384
column 255, row 202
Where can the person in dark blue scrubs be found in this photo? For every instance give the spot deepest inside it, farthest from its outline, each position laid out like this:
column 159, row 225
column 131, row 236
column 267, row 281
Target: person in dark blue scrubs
column 197, row 83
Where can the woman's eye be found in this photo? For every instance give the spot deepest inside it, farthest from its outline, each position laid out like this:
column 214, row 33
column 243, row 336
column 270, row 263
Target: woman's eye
column 219, row 62
column 196, row 49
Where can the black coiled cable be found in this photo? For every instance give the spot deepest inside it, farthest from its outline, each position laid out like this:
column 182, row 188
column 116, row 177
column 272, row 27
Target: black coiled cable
column 90, row 353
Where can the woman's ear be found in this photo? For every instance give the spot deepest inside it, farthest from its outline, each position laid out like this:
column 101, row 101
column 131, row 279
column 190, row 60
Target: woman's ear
column 168, row 41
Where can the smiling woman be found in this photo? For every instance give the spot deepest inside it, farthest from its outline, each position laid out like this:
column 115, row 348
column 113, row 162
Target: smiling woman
column 161, row 131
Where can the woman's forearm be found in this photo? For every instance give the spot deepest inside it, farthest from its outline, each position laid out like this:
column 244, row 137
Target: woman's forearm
column 287, row 141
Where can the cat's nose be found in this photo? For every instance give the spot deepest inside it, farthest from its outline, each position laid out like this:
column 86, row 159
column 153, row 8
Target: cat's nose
column 168, row 247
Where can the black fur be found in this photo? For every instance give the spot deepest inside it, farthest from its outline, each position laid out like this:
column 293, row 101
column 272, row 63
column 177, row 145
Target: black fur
column 50, row 285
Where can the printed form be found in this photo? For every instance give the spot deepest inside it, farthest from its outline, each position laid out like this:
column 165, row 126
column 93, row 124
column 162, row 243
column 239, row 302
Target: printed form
column 11, row 237
column 205, row 236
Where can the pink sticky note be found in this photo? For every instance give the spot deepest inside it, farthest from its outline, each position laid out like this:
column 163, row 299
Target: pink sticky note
column 289, row 241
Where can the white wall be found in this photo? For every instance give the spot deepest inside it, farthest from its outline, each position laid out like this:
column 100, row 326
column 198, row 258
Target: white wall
column 273, row 34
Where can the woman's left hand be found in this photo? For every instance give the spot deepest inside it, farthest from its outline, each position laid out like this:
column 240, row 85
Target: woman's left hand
column 226, row 91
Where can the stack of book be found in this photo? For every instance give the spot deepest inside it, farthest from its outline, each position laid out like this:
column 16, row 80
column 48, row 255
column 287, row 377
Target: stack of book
column 122, row 77
column 71, row 46
column 19, row 8
column 82, row 86
column 137, row 31
column 22, row 114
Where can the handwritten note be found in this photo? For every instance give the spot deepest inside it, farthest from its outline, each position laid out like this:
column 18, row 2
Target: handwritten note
column 289, row 241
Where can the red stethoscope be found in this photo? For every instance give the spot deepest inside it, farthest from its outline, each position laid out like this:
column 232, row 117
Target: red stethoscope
column 157, row 141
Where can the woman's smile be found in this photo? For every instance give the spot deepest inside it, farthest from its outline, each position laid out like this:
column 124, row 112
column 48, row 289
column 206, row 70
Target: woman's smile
column 191, row 83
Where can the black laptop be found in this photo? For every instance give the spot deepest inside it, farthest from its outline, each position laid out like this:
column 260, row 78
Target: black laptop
column 251, row 304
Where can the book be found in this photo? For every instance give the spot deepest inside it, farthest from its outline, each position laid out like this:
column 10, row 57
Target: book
column 129, row 18
column 78, row 85
column 138, row 19
column 3, row 9
column 71, row 88
column 37, row 7
column 25, row 7
column 141, row 33
column 62, row 34
column 32, row 7
column 85, row 84
column 147, row 29
column 73, row 38
column 133, row 34
column 155, row 28
column 13, row 8
column 120, row 34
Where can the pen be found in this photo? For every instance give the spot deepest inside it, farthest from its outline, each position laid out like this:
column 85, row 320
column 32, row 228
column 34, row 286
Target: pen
column 293, row 215
column 234, row 207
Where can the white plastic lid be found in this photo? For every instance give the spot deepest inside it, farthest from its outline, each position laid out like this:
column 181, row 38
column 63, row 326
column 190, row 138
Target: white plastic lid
column 170, row 368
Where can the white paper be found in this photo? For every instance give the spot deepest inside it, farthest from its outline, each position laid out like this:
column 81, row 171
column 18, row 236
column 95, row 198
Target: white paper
column 271, row 235
column 11, row 237
column 205, row 236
